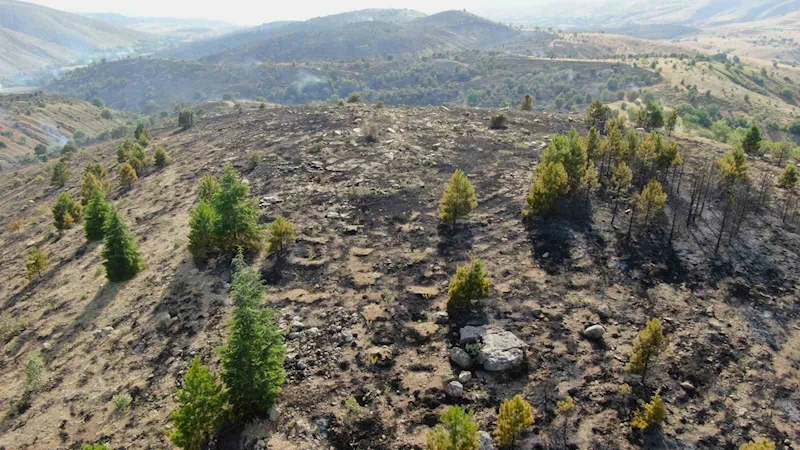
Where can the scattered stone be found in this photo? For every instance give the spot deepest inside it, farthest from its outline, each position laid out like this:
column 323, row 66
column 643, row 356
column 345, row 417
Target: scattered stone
column 297, row 325
column 464, row 377
column 441, row 318
column 485, row 440
column 604, row 312
column 470, row 334
column 454, row 389
column 501, row 351
column 273, row 414
column 423, row 291
column 358, row 251
column 163, row 321
column 688, row 388
column 460, row 357
column 594, row 332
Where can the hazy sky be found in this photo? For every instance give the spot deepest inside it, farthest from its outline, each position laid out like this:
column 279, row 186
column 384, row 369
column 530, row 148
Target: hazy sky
column 249, row 12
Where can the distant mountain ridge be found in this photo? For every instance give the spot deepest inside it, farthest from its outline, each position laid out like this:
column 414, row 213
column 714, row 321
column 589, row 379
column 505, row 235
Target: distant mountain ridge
column 351, row 35
column 33, row 36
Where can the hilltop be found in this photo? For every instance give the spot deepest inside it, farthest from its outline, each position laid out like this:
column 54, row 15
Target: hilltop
column 363, row 290
column 36, row 36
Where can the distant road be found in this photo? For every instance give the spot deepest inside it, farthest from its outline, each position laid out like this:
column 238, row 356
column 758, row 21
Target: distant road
column 18, row 90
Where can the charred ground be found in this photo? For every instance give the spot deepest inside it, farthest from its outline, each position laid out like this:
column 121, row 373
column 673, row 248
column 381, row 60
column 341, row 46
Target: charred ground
column 369, row 272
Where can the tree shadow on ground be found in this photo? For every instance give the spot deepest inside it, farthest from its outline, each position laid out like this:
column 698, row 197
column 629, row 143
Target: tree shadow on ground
column 455, row 240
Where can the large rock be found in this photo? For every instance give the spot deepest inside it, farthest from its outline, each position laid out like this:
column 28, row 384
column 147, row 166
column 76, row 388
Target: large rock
column 470, row 334
column 594, row 332
column 485, row 440
column 501, row 351
column 460, row 357
column 454, row 389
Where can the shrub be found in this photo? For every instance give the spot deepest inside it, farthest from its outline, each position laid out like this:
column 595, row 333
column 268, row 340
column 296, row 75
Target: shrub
column 209, row 186
column 127, row 175
column 65, row 211
column 516, row 415
column 758, row 444
column 527, row 103
column 40, row 150
column 651, row 414
column 98, row 102
column 458, row 199
column 470, row 283
column 122, row 258
column 788, row 179
column 355, row 97
column 186, row 119
column 253, row 158
column 10, row 327
column 96, row 214
column 647, row 348
column 60, row 174
column 498, row 122
column 15, row 226
column 371, row 132
column 34, row 373
column 36, row 263
column 457, row 431
column 141, row 133
column 281, row 236
column 161, row 158
column 69, row 148
column 98, row 446
column 253, row 357
column 121, row 403
column 96, row 169
column 200, row 408
column 106, row 114
column 550, row 181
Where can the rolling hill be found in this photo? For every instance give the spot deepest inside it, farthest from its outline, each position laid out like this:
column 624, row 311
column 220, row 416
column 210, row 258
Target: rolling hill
column 36, row 36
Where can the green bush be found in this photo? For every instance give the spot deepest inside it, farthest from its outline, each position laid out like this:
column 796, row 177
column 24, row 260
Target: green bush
column 66, row 211
column 281, row 236
column 161, row 158
column 186, row 119
column 498, row 122
column 37, row 262
column 60, row 175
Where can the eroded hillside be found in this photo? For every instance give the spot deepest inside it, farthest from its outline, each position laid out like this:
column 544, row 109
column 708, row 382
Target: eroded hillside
column 361, row 294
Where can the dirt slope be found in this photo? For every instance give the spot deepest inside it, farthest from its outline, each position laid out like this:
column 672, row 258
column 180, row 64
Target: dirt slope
column 369, row 272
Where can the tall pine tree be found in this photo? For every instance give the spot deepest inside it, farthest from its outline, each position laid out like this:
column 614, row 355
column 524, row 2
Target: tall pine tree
column 122, row 258
column 253, row 357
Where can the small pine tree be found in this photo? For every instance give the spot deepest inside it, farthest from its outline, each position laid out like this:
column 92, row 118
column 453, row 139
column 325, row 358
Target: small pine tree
column 788, row 180
column 97, row 169
column 458, row 199
column 550, row 181
column 127, row 175
column 651, row 200
column 752, row 141
column 96, row 214
column 122, row 258
column 498, row 122
column 733, row 166
column 597, row 115
column 65, row 211
column 565, row 409
column 60, row 175
column 281, row 236
column 89, row 185
column 470, row 283
column 202, row 240
column 253, row 357
column 758, row 444
column 34, row 373
column 201, row 408
column 237, row 214
column 186, row 119
column 647, row 348
column 516, row 415
column 621, row 182
column 37, row 262
column 527, row 103
column 161, row 158
column 651, row 414
column 209, row 186
column 457, row 431
column 592, row 143
column 672, row 122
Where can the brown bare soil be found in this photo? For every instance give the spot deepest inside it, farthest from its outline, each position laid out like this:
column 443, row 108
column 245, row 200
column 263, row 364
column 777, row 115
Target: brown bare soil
column 370, row 270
